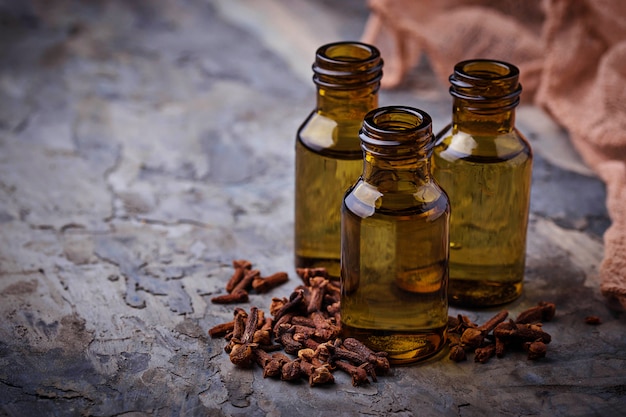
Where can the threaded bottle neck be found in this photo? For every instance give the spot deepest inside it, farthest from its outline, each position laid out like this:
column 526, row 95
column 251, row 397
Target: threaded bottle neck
column 347, row 66
column 486, row 87
column 397, row 132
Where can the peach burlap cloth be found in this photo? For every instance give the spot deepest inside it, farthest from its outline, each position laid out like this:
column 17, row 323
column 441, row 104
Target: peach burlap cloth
column 572, row 59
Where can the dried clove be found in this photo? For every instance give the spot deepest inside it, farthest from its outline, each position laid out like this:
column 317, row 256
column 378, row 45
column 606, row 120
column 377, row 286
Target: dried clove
column 262, row 337
column 237, row 296
column 543, row 311
column 500, row 347
column 457, row 353
column 242, row 353
column 317, row 375
column 262, row 358
column 238, row 329
column 309, row 355
column 240, row 265
column 484, row 353
column 277, row 304
column 294, row 302
column 378, row 359
column 222, row 329
column 358, row 373
column 305, row 341
column 334, row 310
column 325, row 329
column 536, row 349
column 337, row 352
column 520, row 333
column 279, row 324
column 303, row 321
column 290, row 370
column 459, row 324
column 264, row 284
column 289, row 344
column 473, row 337
column 273, row 367
column 317, row 285
column 246, row 281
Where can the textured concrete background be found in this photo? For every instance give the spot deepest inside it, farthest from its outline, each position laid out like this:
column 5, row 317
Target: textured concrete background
column 146, row 144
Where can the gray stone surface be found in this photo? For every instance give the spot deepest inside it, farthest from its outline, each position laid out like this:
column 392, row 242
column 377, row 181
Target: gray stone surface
column 146, row 144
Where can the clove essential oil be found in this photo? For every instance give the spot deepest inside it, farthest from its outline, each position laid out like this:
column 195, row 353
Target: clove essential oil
column 394, row 241
column 328, row 153
column 485, row 165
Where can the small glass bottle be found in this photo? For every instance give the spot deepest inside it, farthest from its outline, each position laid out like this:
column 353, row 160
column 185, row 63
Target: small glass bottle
column 485, row 165
column 394, row 241
column 328, row 151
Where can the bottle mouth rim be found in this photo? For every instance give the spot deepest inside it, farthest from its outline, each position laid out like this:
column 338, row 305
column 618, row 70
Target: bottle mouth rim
column 487, row 70
column 347, row 64
column 334, row 53
column 488, row 84
column 382, row 126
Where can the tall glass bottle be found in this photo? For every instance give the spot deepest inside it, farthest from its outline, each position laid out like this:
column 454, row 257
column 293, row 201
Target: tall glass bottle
column 328, row 152
column 394, row 241
column 485, row 165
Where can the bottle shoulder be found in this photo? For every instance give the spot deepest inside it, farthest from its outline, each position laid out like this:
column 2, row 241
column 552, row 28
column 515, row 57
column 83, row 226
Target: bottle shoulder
column 504, row 147
column 322, row 134
column 365, row 199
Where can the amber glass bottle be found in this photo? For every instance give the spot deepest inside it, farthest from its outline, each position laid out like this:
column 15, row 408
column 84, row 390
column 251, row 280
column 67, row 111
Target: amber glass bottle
column 485, row 164
column 394, row 241
column 328, row 151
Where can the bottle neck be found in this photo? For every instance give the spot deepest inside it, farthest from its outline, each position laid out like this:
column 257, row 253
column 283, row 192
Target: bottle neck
column 397, row 143
column 466, row 118
column 347, row 75
column 391, row 174
column 485, row 94
column 347, row 105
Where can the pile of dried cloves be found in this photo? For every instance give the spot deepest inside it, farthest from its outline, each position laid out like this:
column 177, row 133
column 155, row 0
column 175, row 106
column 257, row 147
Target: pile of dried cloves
column 306, row 325
column 497, row 336
column 245, row 279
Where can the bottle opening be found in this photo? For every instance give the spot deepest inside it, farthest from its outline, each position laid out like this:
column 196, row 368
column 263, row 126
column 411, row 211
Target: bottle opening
column 397, row 119
column 397, row 126
column 347, row 65
column 487, row 70
column 348, row 52
column 486, row 85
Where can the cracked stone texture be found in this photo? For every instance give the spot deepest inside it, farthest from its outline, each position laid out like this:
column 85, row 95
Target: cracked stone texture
column 144, row 145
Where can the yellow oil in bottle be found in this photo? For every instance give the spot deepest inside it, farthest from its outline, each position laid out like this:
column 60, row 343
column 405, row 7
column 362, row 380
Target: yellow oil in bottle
column 484, row 163
column 323, row 177
column 489, row 191
column 328, row 151
column 394, row 242
column 385, row 304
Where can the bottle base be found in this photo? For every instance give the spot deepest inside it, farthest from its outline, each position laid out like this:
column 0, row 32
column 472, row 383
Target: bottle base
column 480, row 294
column 402, row 347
